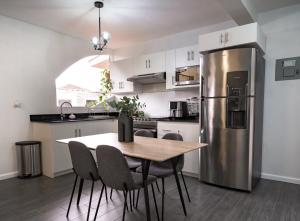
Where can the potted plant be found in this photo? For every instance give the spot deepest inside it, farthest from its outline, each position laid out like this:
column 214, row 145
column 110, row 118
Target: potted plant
column 106, row 87
column 127, row 108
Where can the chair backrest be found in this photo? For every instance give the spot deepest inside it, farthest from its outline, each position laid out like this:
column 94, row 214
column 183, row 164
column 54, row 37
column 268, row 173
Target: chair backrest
column 144, row 133
column 83, row 161
column 113, row 168
column 172, row 136
column 168, row 164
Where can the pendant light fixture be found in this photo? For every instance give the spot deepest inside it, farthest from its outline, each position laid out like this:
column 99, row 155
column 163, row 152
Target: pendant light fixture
column 101, row 41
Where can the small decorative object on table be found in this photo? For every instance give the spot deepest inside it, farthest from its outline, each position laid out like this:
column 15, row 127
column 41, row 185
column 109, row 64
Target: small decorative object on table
column 128, row 108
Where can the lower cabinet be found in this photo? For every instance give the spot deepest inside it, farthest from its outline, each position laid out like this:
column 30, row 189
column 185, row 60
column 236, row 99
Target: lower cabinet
column 189, row 132
column 56, row 158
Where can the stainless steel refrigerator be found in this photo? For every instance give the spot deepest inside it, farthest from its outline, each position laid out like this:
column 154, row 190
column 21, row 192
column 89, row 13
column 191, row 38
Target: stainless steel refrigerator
column 232, row 92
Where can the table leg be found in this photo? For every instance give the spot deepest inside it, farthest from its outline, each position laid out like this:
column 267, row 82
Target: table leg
column 174, row 165
column 145, row 170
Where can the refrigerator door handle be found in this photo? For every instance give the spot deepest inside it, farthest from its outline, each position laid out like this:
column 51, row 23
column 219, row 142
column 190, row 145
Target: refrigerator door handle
column 201, row 131
column 201, row 114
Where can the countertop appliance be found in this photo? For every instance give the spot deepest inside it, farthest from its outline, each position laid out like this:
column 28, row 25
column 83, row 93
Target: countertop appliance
column 193, row 106
column 187, row 76
column 231, row 110
column 178, row 109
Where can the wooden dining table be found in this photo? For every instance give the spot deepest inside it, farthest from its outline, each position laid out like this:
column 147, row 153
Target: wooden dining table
column 146, row 149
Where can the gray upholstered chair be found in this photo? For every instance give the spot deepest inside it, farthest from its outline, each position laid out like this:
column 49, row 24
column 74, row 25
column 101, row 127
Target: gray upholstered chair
column 85, row 168
column 115, row 173
column 134, row 163
column 164, row 169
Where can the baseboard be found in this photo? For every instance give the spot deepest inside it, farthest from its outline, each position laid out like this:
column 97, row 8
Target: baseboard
column 286, row 179
column 5, row 176
column 195, row 175
column 64, row 172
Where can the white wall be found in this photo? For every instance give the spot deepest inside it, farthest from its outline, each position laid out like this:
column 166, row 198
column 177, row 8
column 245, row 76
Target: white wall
column 30, row 59
column 281, row 143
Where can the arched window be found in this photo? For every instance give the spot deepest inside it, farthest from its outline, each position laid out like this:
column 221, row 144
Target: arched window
column 80, row 83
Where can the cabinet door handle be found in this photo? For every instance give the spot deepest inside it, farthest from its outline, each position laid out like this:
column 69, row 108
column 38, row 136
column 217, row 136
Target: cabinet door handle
column 188, row 55
column 165, row 130
column 146, row 64
column 79, row 132
column 193, row 55
column 149, row 63
column 221, row 38
column 226, row 37
column 75, row 132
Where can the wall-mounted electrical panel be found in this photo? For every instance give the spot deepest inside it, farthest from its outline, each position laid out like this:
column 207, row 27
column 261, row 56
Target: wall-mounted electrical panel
column 287, row 69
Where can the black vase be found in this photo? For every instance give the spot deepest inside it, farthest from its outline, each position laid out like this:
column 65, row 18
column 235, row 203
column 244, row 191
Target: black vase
column 125, row 128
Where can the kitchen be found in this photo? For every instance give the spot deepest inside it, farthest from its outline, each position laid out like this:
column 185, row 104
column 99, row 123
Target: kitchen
column 30, row 85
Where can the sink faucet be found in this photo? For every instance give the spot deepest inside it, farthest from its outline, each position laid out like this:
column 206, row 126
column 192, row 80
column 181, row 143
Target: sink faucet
column 61, row 109
column 91, row 112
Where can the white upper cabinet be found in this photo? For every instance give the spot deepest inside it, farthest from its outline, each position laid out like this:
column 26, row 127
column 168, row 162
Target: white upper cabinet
column 170, row 69
column 240, row 35
column 119, row 72
column 150, row 63
column 188, row 56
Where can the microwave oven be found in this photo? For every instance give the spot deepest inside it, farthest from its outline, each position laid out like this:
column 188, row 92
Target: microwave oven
column 187, row 76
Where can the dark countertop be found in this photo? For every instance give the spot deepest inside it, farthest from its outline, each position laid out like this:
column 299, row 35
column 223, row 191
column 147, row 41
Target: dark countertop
column 184, row 120
column 55, row 118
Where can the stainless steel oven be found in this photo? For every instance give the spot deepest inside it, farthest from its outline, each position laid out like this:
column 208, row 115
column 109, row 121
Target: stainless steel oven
column 187, row 76
column 145, row 124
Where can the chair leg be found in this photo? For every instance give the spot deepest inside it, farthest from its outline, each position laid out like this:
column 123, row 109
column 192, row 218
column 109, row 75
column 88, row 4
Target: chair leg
column 125, row 205
column 98, row 205
column 111, row 192
column 91, row 197
column 186, row 190
column 74, row 186
column 130, row 201
column 105, row 193
column 157, row 186
column 133, row 198
column 137, row 199
column 126, row 200
column 156, row 209
column 163, row 199
column 80, row 190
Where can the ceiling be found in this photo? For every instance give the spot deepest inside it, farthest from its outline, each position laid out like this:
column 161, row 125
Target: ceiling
column 266, row 5
column 128, row 21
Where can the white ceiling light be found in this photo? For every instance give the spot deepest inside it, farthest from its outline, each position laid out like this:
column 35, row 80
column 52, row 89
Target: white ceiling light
column 103, row 38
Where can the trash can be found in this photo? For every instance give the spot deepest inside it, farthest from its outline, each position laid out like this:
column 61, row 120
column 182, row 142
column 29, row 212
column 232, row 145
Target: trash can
column 29, row 158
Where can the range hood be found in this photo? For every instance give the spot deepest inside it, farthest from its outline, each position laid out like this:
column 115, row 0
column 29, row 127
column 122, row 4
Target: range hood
column 148, row 78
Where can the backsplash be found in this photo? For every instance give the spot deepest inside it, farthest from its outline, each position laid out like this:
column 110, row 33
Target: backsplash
column 157, row 103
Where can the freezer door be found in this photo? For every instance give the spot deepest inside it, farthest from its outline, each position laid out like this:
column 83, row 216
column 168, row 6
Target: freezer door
column 226, row 160
column 217, row 65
